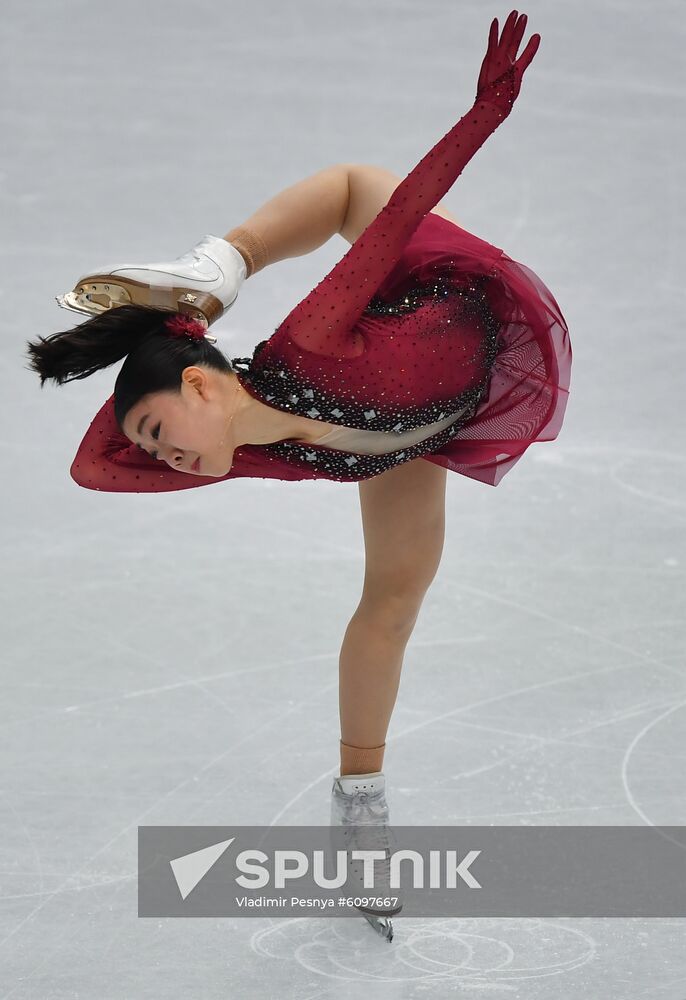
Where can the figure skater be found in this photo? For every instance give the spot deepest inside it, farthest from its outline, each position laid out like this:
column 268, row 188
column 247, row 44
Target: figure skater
column 425, row 349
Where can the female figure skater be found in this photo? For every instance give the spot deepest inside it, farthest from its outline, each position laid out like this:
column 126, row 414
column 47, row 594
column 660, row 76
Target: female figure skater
column 425, row 349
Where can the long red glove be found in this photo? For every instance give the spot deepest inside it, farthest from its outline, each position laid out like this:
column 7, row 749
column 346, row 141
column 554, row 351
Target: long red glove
column 500, row 78
column 323, row 321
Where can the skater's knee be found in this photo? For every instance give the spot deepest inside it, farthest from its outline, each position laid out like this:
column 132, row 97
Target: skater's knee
column 393, row 613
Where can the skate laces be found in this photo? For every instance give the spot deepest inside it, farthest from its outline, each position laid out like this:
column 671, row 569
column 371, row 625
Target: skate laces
column 375, row 838
column 370, row 812
column 366, row 810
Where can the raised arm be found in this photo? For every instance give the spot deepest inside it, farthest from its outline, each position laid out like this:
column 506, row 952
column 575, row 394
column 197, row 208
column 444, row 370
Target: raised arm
column 323, row 320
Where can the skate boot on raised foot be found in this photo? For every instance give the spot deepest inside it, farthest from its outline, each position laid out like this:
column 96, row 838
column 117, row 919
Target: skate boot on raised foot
column 359, row 821
column 203, row 283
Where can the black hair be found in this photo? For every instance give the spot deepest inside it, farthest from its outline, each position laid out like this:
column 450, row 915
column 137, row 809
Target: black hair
column 154, row 360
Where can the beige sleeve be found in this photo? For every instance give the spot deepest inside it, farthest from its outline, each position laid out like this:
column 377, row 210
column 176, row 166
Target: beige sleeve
column 251, row 247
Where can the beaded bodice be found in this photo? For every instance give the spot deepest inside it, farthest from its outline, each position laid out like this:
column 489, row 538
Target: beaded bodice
column 277, row 384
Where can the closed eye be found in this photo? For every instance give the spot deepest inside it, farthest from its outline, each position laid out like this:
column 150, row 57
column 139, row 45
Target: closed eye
column 155, row 436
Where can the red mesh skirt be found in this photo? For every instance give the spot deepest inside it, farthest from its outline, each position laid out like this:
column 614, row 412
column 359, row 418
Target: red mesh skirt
column 529, row 383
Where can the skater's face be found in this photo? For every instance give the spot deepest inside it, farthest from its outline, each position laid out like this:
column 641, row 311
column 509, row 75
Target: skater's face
column 187, row 428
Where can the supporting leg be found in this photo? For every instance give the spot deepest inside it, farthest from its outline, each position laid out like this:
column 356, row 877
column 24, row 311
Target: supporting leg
column 370, row 663
column 403, row 517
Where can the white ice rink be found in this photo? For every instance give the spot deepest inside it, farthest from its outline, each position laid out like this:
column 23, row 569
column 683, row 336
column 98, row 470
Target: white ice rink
column 172, row 659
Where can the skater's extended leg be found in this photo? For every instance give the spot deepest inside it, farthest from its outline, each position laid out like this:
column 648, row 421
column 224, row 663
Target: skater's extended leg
column 370, row 190
column 403, row 516
column 344, row 198
column 296, row 221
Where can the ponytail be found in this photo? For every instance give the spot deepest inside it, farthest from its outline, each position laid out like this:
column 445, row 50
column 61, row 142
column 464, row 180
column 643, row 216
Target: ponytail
column 95, row 344
column 154, row 360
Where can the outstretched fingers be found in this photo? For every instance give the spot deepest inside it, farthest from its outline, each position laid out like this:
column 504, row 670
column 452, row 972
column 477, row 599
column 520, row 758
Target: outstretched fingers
column 492, row 38
column 501, row 55
column 510, row 32
column 528, row 53
column 511, row 39
column 518, row 33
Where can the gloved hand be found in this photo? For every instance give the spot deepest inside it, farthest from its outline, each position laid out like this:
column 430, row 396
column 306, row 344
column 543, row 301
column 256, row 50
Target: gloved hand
column 500, row 78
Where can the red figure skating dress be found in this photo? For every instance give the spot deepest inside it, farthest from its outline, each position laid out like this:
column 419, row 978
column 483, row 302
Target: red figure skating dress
column 420, row 323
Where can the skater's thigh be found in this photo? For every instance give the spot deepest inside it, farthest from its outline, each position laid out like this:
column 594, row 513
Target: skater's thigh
column 403, row 518
column 369, row 190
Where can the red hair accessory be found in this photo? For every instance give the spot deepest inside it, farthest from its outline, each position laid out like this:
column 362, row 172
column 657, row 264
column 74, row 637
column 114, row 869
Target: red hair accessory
column 180, row 325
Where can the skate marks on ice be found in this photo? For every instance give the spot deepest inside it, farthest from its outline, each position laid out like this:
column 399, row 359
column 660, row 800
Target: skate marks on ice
column 658, row 477
column 488, row 954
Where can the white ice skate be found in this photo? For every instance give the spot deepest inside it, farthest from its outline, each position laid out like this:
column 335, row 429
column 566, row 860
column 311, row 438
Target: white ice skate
column 203, row 283
column 359, row 821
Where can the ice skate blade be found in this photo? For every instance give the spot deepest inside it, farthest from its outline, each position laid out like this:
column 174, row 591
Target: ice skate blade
column 382, row 925
column 98, row 293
